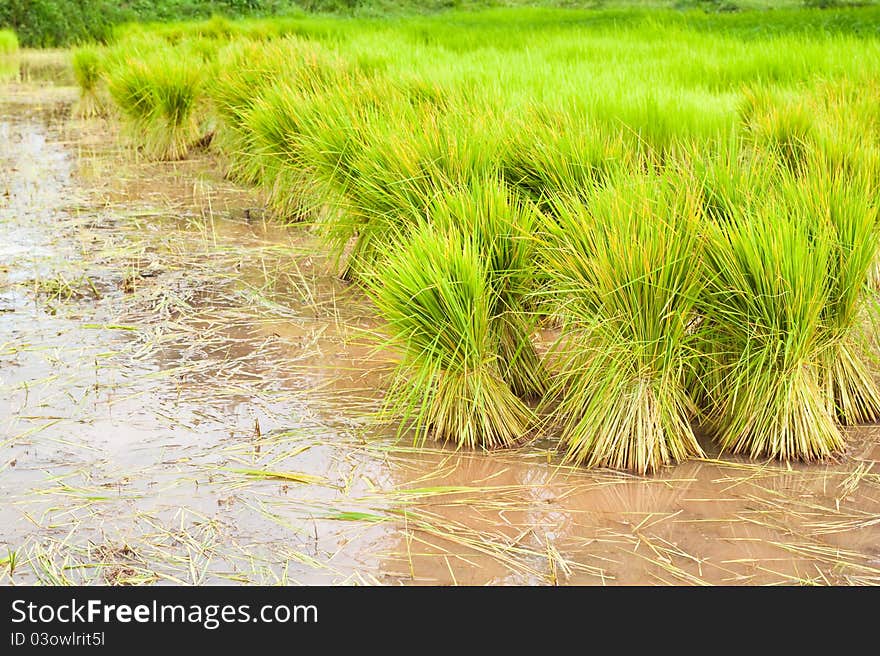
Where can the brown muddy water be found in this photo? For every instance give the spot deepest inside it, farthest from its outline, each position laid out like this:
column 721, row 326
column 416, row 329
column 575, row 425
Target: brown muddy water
column 185, row 397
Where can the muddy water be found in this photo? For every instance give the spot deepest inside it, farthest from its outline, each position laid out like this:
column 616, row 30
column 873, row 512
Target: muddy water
column 185, row 397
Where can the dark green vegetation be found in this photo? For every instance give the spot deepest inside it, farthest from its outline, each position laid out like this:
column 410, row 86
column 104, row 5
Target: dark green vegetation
column 690, row 198
column 50, row 23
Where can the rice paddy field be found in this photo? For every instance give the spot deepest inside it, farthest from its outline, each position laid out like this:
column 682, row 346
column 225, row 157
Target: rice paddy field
column 523, row 295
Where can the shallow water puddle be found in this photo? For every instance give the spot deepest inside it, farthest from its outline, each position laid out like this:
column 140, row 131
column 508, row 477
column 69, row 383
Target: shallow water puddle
column 185, row 395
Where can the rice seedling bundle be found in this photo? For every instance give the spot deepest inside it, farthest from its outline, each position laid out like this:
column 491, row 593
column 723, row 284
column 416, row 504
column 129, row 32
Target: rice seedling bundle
column 556, row 152
column 158, row 90
column 245, row 69
column 128, row 83
column 502, row 228
column 175, row 124
column 408, row 155
column 778, row 125
column 848, row 205
column 276, row 123
column 9, row 67
column 763, row 311
column 627, row 272
column 88, row 68
column 288, row 116
column 438, row 300
column 8, row 42
column 699, row 264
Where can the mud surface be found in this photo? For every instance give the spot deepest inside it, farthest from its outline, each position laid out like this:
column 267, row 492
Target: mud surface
column 185, row 397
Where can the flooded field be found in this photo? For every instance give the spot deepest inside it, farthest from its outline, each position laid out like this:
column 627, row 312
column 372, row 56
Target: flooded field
column 186, row 394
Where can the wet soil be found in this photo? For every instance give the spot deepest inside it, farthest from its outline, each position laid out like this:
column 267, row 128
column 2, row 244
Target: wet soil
column 186, row 393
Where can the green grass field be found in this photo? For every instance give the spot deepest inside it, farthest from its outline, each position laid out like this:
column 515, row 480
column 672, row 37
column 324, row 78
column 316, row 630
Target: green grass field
column 689, row 198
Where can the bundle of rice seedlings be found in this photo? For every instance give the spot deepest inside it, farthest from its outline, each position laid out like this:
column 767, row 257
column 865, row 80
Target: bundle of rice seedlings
column 129, row 84
column 627, row 272
column 847, row 202
column 727, row 178
column 87, row 68
column 437, row 298
column 339, row 132
column 763, row 312
column 557, row 152
column 157, row 90
column 780, row 126
column 8, row 42
column 176, row 84
column 245, row 69
column 387, row 190
column 275, row 124
column 288, row 114
column 502, row 228
column 407, row 156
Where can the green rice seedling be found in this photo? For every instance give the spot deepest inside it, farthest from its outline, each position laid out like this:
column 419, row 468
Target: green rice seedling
column 87, row 68
column 280, row 121
column 275, row 123
column 728, row 177
column 763, row 312
column 627, row 272
column 244, row 70
column 408, row 154
column 129, row 85
column 334, row 133
column 268, row 113
column 387, row 189
column 437, row 298
column 847, row 202
column 502, row 227
column 9, row 65
column 847, row 127
column 780, row 126
column 8, row 42
column 174, row 128
column 729, row 181
column 157, row 92
column 555, row 152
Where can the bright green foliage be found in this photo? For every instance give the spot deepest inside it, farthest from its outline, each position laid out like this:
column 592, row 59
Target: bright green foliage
column 502, row 229
column 244, row 70
column 691, row 195
column 848, row 205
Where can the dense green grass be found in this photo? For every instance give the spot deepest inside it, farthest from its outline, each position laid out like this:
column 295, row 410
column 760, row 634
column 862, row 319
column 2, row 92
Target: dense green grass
column 690, row 195
column 51, row 23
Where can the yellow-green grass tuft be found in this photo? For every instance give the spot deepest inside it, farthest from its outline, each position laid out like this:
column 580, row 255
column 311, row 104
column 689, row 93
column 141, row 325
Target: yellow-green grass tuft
column 846, row 203
column 503, row 229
